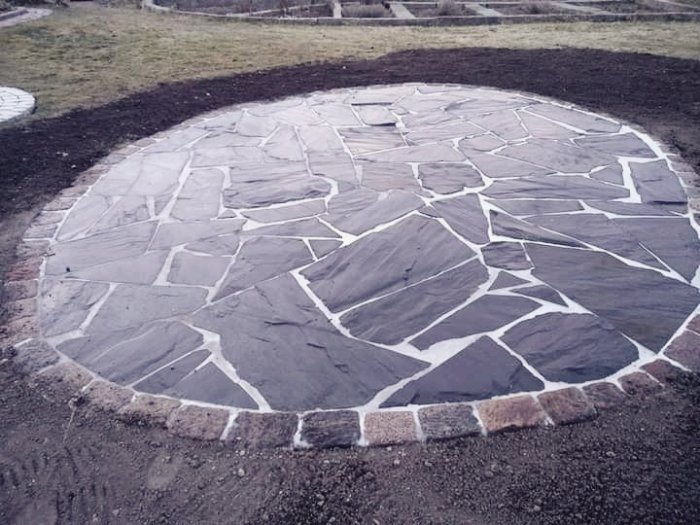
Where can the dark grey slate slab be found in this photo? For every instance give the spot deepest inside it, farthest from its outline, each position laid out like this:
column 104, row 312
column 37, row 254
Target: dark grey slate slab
column 284, row 145
column 483, row 315
column 448, row 178
column 359, row 210
column 395, row 317
column 448, row 130
column 169, row 375
column 507, row 226
column 440, row 152
column 361, row 141
column 65, row 304
column 541, row 292
column 265, row 184
column 210, row 385
column 226, row 138
column 176, row 233
column 485, row 142
column 320, row 139
column 384, row 176
column 611, row 174
column 219, row 245
column 599, row 231
column 262, row 258
column 584, row 121
column 629, row 208
column 657, row 184
column 331, row 429
column 204, row 270
column 336, row 114
column 412, row 250
column 642, row 304
column 302, row 228
column 465, row 216
column 128, row 210
column 544, row 129
column 481, row 370
column 554, row 187
column 322, row 247
column 626, row 145
column 152, row 348
column 560, row 156
column 277, row 340
column 504, row 124
column 496, row 167
column 376, row 115
column 673, row 240
column 525, row 207
column 101, row 248
column 334, row 166
column 255, row 126
column 141, row 269
column 199, row 197
column 506, row 280
column 571, row 347
column 131, row 306
column 285, row 213
column 507, row 255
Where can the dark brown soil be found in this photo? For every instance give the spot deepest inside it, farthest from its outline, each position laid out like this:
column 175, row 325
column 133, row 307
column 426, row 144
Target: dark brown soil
column 641, row 465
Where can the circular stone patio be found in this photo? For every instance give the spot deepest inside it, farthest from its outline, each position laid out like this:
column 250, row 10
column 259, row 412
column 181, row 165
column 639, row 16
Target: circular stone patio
column 372, row 265
column 14, row 103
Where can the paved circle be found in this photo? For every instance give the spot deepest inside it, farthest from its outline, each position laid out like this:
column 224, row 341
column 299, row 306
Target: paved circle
column 379, row 247
column 14, row 103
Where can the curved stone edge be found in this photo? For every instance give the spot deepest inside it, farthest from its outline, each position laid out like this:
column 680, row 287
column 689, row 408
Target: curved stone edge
column 27, row 106
column 681, row 16
column 344, row 428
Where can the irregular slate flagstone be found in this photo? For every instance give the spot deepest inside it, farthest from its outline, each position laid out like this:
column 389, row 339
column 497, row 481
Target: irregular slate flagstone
column 66, row 304
column 131, row 306
column 448, row 178
column 507, row 226
column 482, row 370
column 285, row 213
column 656, row 183
column 210, row 384
column 673, row 240
column 600, row 231
column 303, row 228
column 393, row 318
column 197, row 269
column 507, row 255
column 357, row 211
column 383, row 246
column 627, row 145
column 506, row 280
column 556, row 155
column 412, row 250
column 101, row 248
column 641, row 304
column 465, row 215
column 263, row 185
column 524, row 207
column 495, row 166
column 277, row 340
column 485, row 314
column 554, row 187
column 571, row 347
column 541, row 292
column 254, row 264
column 124, row 361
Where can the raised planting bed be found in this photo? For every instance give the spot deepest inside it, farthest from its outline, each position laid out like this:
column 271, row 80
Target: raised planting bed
column 438, row 9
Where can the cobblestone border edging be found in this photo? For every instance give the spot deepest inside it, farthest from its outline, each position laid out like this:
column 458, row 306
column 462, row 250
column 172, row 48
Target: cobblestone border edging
column 334, row 428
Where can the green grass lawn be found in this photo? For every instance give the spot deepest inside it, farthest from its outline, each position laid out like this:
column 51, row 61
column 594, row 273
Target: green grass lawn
column 88, row 55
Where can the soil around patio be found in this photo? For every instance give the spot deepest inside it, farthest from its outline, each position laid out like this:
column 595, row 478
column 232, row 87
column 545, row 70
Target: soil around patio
column 615, row 469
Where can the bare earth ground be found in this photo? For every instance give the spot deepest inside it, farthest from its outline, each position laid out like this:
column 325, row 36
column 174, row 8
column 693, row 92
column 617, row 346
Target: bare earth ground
column 637, row 465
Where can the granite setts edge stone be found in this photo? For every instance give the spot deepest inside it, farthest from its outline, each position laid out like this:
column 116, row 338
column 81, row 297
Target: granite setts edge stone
column 374, row 428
